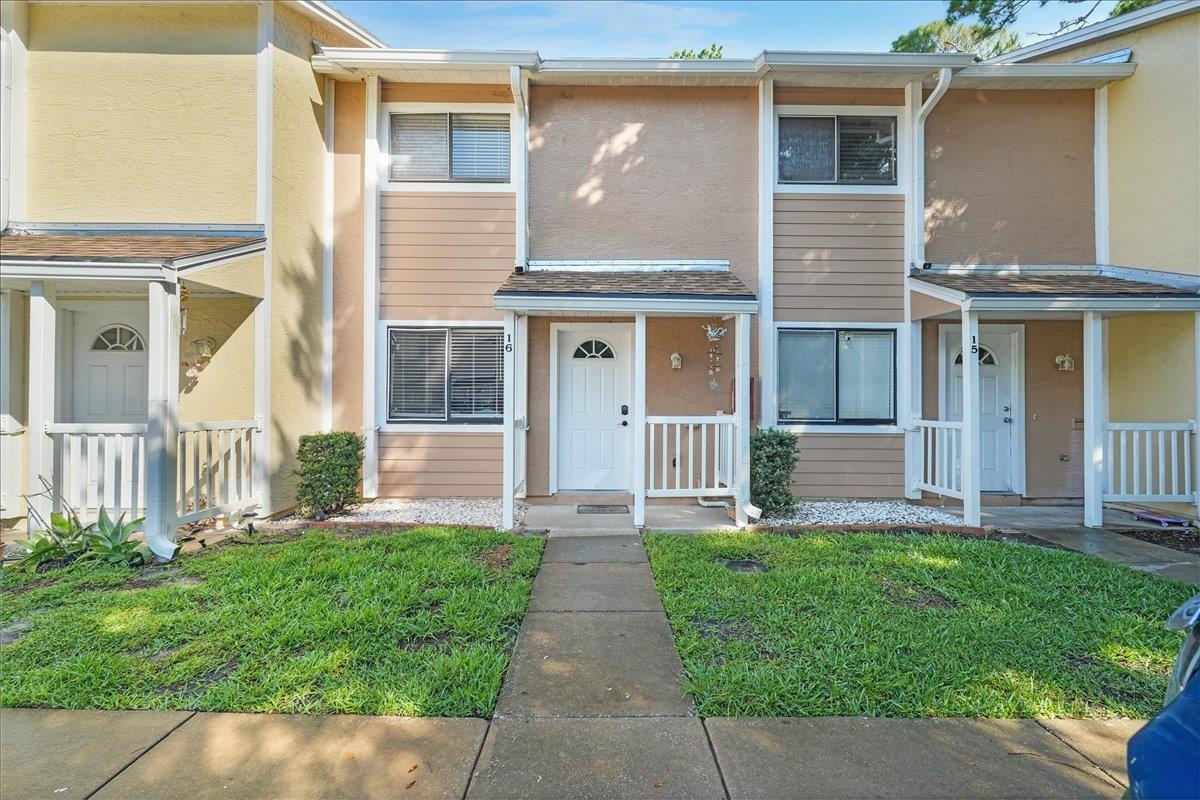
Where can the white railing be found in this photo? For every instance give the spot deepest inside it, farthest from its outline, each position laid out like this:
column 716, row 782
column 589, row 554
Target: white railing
column 940, row 451
column 98, row 465
column 1149, row 462
column 691, row 456
column 216, row 469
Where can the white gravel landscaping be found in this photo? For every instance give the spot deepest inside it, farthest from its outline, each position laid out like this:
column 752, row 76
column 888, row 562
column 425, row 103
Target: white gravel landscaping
column 864, row 512
column 431, row 511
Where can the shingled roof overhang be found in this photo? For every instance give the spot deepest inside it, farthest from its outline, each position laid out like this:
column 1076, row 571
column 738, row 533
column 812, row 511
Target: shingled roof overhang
column 665, row 291
column 1081, row 288
column 123, row 252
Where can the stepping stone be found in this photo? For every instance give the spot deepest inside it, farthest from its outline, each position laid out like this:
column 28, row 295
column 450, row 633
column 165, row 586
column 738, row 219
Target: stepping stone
column 299, row 756
column 853, row 757
column 70, row 754
column 594, row 664
column 582, row 759
column 595, row 587
column 594, row 549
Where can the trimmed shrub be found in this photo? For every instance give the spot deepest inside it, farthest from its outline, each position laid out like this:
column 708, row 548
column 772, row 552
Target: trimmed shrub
column 330, row 471
column 773, row 456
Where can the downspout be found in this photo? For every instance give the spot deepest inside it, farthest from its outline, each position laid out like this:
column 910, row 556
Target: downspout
column 945, row 75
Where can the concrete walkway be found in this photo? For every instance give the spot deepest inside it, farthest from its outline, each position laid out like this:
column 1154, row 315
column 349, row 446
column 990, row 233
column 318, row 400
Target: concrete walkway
column 592, row 707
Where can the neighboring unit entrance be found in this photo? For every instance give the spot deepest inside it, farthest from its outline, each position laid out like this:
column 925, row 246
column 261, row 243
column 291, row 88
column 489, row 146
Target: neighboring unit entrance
column 592, row 430
column 1000, row 352
column 110, row 363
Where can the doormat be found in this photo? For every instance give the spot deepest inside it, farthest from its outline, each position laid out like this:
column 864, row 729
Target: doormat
column 600, row 508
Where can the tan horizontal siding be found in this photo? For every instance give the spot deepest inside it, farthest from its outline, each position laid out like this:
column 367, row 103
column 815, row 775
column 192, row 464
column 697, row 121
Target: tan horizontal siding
column 442, row 255
column 839, row 258
column 439, row 464
column 840, row 465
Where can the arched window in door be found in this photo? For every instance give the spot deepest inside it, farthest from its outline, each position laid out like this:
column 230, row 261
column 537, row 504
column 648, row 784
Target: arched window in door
column 594, row 348
column 986, row 357
column 120, row 338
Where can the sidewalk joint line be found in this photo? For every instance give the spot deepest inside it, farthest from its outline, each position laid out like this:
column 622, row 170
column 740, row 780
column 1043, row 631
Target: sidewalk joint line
column 478, row 754
column 138, row 757
column 713, row 752
column 1116, row 780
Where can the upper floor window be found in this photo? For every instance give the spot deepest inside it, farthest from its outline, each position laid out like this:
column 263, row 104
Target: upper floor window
column 838, row 150
column 449, row 146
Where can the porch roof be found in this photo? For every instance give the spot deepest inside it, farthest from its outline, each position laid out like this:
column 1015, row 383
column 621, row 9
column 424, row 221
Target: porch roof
column 1064, row 288
column 659, row 290
column 122, row 252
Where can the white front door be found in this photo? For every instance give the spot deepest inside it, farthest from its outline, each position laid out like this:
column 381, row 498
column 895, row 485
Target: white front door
column 109, row 369
column 997, row 408
column 595, row 408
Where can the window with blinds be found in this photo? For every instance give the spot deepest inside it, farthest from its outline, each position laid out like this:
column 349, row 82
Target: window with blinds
column 849, row 150
column 449, row 147
column 837, row 376
column 445, row 375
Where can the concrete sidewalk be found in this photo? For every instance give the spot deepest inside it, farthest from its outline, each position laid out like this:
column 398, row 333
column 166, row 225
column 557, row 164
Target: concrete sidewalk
column 592, row 707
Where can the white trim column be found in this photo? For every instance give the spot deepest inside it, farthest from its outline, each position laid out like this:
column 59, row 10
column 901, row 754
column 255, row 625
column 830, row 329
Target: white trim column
column 327, row 233
column 371, row 169
column 162, row 423
column 521, row 412
column 508, row 485
column 264, row 184
column 767, row 364
column 43, row 371
column 911, row 380
column 639, row 420
column 1196, row 419
column 1100, row 169
column 741, row 407
column 1093, row 419
column 971, row 441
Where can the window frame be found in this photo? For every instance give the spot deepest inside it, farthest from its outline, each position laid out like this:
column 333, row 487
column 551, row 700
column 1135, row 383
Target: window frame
column 899, row 112
column 383, row 380
column 837, row 424
column 384, row 133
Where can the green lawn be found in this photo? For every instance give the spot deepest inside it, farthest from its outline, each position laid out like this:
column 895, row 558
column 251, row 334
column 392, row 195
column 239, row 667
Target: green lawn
column 912, row 626
column 414, row 623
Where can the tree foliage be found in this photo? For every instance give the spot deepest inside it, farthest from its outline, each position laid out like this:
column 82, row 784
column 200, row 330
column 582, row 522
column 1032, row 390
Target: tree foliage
column 713, row 51
column 995, row 15
column 940, row 36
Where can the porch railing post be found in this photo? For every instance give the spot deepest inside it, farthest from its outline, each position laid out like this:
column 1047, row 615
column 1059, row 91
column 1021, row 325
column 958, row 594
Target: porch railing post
column 508, row 486
column 1093, row 419
column 971, row 439
column 1190, row 441
column 162, row 426
column 43, row 324
column 742, row 408
column 639, row 420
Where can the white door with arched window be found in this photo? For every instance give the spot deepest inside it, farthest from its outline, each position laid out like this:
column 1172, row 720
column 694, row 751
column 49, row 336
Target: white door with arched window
column 1000, row 421
column 594, row 407
column 109, row 369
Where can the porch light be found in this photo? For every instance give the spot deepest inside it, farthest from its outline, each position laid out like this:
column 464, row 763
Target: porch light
column 1065, row 363
column 676, row 361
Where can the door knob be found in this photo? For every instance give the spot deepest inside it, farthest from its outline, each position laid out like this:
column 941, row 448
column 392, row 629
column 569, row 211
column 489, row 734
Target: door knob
column 624, row 423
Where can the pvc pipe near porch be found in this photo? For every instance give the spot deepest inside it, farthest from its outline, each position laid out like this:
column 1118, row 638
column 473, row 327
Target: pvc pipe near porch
column 742, row 409
column 43, row 324
column 917, row 162
column 1093, row 419
column 971, row 441
column 639, row 420
column 162, row 425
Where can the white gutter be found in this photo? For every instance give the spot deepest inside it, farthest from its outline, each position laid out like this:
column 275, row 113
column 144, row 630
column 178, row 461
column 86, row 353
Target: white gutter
column 917, row 196
column 566, row 304
column 520, row 162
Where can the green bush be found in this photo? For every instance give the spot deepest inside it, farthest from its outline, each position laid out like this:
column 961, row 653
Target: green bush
column 330, row 470
column 773, row 455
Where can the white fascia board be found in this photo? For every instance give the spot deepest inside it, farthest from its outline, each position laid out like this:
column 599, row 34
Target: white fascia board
column 324, row 12
column 38, row 270
column 1159, row 12
column 390, row 58
column 650, row 66
column 191, row 265
column 938, row 292
column 865, row 62
column 662, row 305
column 1001, row 72
column 1175, row 280
column 1077, row 303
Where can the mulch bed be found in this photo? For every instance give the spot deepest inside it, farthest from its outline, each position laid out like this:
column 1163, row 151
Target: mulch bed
column 1185, row 540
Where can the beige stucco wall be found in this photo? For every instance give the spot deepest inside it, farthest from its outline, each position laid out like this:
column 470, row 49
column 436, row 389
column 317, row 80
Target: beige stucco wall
column 1053, row 400
column 1154, row 146
column 1151, row 368
column 644, row 173
column 1008, row 178
column 828, row 96
column 224, row 389
column 141, row 113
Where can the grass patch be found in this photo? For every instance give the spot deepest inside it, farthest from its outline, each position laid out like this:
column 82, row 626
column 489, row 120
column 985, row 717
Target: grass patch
column 913, row 626
column 419, row 623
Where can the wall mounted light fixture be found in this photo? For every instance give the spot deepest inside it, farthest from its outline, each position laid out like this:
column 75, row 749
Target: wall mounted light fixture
column 676, row 361
column 1065, row 363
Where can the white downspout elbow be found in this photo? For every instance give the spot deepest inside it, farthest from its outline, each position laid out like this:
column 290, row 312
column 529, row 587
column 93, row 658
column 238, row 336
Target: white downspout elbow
column 945, row 76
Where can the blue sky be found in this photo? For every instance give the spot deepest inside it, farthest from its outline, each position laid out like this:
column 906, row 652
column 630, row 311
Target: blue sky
column 644, row 28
